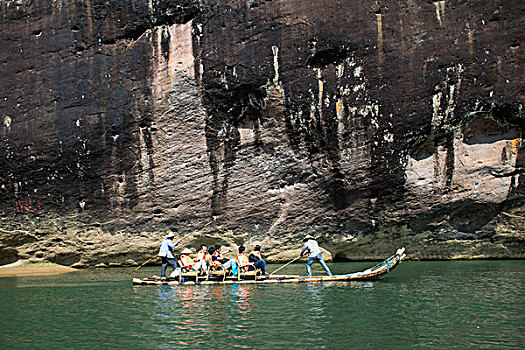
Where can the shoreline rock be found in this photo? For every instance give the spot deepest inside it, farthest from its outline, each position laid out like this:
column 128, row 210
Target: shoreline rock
column 24, row 268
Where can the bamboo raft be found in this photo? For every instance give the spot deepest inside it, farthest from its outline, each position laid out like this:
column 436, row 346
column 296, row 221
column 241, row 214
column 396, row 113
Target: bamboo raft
column 374, row 272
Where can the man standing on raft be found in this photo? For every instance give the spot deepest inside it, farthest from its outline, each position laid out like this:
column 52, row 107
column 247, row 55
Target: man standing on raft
column 166, row 254
column 310, row 245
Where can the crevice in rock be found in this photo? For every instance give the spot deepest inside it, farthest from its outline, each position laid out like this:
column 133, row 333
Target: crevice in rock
column 500, row 173
column 449, row 161
column 459, row 220
column 486, row 128
column 166, row 13
column 331, row 55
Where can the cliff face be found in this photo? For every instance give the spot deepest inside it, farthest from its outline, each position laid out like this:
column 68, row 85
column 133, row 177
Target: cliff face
column 371, row 124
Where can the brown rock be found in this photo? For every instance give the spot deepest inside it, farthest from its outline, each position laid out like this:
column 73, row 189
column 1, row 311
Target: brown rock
column 393, row 124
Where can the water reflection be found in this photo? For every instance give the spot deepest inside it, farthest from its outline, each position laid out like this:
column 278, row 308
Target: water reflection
column 316, row 305
column 200, row 314
column 241, row 298
column 422, row 305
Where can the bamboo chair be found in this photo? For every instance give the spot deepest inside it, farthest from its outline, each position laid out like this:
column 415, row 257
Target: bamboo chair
column 244, row 273
column 187, row 274
column 213, row 271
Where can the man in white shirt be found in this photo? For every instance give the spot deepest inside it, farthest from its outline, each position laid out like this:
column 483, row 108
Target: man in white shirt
column 166, row 254
column 310, row 245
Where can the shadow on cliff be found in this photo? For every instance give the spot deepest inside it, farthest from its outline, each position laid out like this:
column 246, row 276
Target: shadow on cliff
column 464, row 219
column 226, row 109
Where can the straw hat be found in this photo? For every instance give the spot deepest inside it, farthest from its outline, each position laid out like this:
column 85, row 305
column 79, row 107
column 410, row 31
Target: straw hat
column 307, row 237
column 170, row 235
column 186, row 251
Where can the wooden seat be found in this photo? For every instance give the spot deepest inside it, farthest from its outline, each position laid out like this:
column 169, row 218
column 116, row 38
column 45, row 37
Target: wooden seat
column 248, row 275
column 244, row 273
column 213, row 272
column 190, row 275
column 187, row 273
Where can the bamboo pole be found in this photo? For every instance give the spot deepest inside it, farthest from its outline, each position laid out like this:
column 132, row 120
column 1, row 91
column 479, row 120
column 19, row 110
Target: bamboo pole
column 288, row 263
column 147, row 261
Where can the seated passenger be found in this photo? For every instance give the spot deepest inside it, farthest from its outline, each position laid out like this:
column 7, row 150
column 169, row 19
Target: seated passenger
column 243, row 261
column 186, row 262
column 201, row 264
column 218, row 258
column 213, row 264
column 256, row 259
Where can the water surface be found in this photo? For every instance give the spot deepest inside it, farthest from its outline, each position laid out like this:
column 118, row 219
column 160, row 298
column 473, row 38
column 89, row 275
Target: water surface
column 432, row 305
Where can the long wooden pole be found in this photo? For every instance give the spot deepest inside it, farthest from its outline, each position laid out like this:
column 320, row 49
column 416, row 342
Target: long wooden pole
column 288, row 263
column 147, row 261
column 153, row 257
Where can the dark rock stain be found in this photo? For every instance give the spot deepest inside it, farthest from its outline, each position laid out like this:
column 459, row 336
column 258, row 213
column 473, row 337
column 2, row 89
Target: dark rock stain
column 165, row 43
column 402, row 87
column 84, row 103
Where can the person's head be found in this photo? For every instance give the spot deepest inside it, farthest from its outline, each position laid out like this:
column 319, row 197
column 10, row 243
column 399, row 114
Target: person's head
column 203, row 248
column 241, row 249
column 257, row 248
column 170, row 235
column 218, row 248
column 185, row 251
column 308, row 237
column 211, row 250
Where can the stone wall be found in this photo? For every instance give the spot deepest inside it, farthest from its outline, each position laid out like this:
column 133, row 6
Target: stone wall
column 370, row 124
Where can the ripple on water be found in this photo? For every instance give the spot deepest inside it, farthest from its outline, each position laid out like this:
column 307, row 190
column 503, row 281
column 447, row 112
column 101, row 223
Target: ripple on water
column 419, row 305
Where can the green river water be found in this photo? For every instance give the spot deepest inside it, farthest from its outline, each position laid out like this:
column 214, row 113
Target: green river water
column 420, row 305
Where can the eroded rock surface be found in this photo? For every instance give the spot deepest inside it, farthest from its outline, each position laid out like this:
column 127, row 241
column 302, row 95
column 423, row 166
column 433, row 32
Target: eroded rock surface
column 372, row 125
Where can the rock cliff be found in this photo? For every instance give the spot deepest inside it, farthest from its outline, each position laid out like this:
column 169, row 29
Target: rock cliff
column 372, row 124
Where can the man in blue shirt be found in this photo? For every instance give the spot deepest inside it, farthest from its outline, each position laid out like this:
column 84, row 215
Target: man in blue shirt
column 166, row 254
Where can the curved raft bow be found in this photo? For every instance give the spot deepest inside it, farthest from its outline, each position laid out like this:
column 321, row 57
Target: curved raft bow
column 376, row 271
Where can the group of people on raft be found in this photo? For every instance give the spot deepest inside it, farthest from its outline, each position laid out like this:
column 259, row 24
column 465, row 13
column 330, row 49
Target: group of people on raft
column 213, row 259
column 208, row 258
